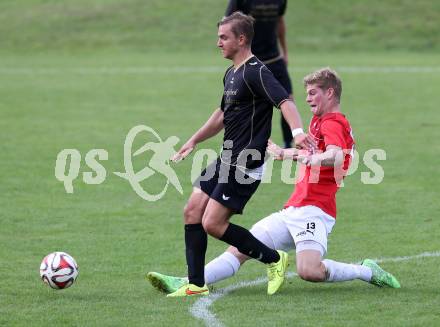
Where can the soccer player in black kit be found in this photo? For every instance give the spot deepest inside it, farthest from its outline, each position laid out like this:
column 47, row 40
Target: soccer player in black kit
column 269, row 29
column 225, row 186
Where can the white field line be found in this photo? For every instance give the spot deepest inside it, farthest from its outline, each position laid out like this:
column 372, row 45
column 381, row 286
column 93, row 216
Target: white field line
column 412, row 257
column 144, row 70
column 200, row 309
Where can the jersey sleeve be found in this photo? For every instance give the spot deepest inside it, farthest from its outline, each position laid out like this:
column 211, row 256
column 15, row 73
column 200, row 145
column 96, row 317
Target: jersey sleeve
column 334, row 134
column 262, row 83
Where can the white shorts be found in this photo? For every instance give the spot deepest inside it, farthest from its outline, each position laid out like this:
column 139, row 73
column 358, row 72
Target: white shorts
column 302, row 228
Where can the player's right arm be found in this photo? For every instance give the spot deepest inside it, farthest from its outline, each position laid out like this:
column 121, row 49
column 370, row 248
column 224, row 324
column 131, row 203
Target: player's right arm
column 263, row 83
column 281, row 154
column 293, row 118
column 212, row 127
column 332, row 157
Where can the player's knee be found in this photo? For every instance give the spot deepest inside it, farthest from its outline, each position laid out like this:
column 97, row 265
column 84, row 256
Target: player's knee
column 311, row 273
column 192, row 214
column 212, row 228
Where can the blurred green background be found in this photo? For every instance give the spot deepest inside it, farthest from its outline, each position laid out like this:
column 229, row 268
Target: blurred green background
column 174, row 25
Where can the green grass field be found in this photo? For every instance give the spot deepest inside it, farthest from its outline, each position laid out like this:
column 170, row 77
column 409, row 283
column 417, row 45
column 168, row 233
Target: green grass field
column 90, row 97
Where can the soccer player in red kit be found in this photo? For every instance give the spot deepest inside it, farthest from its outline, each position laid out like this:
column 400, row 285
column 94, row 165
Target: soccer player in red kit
column 310, row 213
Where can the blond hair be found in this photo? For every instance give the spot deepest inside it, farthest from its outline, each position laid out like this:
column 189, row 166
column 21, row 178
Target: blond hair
column 325, row 78
column 241, row 24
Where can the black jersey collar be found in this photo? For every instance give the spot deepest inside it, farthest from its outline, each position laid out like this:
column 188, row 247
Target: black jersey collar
column 243, row 62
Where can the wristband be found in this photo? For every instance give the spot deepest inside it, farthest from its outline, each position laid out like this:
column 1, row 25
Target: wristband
column 297, row 131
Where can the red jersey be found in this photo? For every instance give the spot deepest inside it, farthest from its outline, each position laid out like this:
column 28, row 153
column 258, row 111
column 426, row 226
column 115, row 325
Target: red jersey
column 318, row 185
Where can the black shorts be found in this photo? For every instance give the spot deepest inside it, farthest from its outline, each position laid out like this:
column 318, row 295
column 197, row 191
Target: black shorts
column 279, row 71
column 227, row 184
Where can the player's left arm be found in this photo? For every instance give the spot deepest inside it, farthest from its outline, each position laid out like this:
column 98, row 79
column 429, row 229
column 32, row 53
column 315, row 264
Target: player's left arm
column 263, row 83
column 332, row 156
column 278, row 153
column 282, row 38
column 212, row 127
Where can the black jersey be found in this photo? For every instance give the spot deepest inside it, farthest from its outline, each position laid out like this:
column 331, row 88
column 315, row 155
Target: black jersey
column 250, row 93
column 267, row 14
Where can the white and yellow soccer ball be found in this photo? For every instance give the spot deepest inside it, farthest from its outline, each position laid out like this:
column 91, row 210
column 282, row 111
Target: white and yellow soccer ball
column 58, row 270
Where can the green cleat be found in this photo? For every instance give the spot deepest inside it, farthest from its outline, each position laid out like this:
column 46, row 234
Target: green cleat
column 165, row 284
column 190, row 290
column 380, row 277
column 276, row 273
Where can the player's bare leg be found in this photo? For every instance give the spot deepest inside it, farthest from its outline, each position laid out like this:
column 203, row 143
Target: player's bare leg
column 309, row 266
column 195, row 207
column 215, row 219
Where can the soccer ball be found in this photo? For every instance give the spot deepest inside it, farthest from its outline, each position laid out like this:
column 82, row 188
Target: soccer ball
column 58, row 270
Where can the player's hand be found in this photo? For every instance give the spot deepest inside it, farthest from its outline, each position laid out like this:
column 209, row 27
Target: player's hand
column 308, row 159
column 275, row 150
column 304, row 159
column 305, row 141
column 184, row 151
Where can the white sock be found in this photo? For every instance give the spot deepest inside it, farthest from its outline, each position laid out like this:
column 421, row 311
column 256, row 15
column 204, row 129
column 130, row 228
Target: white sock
column 339, row 272
column 222, row 267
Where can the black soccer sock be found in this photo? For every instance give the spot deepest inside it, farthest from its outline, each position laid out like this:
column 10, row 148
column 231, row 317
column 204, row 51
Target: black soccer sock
column 196, row 242
column 248, row 244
